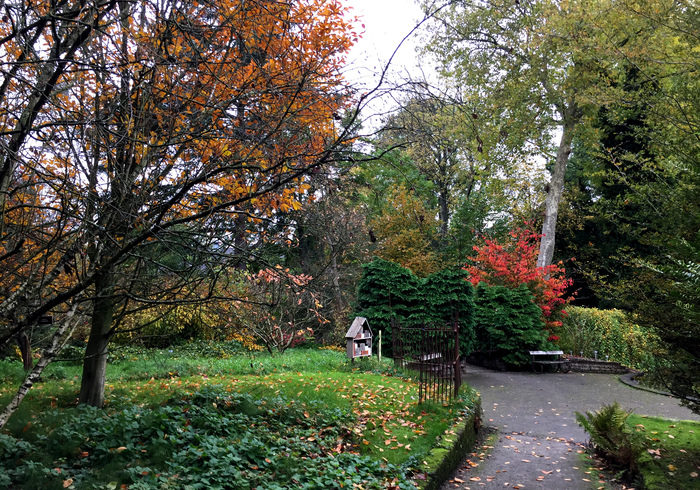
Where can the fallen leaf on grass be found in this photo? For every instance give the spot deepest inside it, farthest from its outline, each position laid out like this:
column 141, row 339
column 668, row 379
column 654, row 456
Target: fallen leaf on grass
column 694, row 474
column 67, row 483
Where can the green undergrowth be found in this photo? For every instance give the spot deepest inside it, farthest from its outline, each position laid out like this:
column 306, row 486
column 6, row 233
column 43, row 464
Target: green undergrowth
column 672, row 455
column 308, row 419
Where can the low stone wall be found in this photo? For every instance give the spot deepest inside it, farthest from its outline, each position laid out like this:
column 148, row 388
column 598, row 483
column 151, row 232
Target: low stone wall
column 580, row 365
column 451, row 451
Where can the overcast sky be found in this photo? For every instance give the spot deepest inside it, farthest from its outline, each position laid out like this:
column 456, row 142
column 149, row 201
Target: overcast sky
column 386, row 22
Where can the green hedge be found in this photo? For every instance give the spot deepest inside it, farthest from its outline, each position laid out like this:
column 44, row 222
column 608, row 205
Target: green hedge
column 610, row 332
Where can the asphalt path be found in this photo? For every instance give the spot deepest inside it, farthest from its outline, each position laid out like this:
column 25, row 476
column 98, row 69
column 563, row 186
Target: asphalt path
column 539, row 443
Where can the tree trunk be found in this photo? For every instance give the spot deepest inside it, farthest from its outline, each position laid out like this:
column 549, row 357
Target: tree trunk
column 25, row 347
column 92, row 386
column 62, row 334
column 337, row 292
column 556, row 188
column 444, row 211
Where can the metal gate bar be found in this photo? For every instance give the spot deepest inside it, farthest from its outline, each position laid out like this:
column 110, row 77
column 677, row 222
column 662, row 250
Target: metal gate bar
column 434, row 353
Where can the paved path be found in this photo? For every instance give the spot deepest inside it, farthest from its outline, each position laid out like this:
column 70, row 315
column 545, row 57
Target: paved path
column 539, row 442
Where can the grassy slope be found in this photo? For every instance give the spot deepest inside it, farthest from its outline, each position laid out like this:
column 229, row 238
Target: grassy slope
column 384, row 418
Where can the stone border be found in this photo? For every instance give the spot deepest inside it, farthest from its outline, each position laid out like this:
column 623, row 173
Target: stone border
column 451, row 449
column 582, row 365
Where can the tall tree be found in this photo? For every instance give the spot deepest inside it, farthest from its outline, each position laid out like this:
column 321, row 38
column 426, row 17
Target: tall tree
column 179, row 122
column 442, row 142
column 541, row 67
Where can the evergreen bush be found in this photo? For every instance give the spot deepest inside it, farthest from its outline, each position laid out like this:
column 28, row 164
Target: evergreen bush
column 508, row 323
column 447, row 293
column 387, row 291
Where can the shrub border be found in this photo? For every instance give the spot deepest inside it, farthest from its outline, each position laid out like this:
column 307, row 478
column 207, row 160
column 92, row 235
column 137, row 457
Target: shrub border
column 451, row 449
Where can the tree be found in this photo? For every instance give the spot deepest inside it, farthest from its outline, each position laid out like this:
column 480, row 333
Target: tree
column 278, row 308
column 541, row 69
column 442, row 143
column 407, row 234
column 437, row 144
column 513, row 263
column 641, row 218
column 177, row 123
column 331, row 242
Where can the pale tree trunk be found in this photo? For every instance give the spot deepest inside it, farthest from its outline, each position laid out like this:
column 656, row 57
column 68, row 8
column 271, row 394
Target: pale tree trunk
column 556, row 188
column 92, row 386
column 444, row 212
column 59, row 339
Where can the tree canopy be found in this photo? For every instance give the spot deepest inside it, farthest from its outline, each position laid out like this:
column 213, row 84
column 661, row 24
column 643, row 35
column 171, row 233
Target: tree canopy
column 132, row 128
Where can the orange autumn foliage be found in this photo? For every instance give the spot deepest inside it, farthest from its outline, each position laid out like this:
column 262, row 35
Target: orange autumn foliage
column 165, row 125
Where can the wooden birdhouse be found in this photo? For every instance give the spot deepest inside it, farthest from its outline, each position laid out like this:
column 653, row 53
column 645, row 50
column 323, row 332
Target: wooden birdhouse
column 359, row 338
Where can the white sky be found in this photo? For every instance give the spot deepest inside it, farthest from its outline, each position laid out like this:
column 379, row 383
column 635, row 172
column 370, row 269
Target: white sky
column 386, row 23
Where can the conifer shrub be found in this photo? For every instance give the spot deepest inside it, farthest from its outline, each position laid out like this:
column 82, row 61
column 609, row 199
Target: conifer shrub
column 388, row 291
column 448, row 293
column 508, row 323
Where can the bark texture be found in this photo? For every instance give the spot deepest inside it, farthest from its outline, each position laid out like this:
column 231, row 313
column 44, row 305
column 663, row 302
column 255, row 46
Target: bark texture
column 556, row 189
column 60, row 336
column 95, row 364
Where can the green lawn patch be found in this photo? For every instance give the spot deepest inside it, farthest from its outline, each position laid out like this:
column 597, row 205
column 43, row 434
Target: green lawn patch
column 308, row 419
column 672, row 458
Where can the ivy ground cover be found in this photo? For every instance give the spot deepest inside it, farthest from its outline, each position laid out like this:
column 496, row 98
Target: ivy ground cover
column 274, row 426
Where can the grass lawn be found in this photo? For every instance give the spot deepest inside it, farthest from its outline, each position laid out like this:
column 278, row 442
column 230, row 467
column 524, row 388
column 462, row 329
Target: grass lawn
column 308, row 419
column 672, row 458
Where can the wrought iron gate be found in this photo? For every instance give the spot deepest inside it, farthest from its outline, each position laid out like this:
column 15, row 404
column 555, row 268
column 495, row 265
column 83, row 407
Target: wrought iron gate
column 433, row 352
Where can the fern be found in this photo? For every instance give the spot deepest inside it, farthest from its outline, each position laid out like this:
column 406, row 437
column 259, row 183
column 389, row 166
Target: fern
column 612, row 438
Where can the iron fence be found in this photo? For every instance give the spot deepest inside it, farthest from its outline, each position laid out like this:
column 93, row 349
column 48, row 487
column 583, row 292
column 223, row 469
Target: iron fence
column 433, row 351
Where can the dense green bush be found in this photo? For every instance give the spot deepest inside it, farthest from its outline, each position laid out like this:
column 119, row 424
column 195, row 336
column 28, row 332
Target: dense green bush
column 508, row 323
column 609, row 332
column 388, row 291
column 447, row 293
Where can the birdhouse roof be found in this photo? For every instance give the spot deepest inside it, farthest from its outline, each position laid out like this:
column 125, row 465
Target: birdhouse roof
column 358, row 325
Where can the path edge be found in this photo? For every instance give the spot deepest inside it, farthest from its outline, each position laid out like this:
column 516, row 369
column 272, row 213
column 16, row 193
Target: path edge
column 451, row 449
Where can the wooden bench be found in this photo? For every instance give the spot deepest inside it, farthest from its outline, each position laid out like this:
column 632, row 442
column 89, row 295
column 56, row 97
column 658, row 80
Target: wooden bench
column 542, row 358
